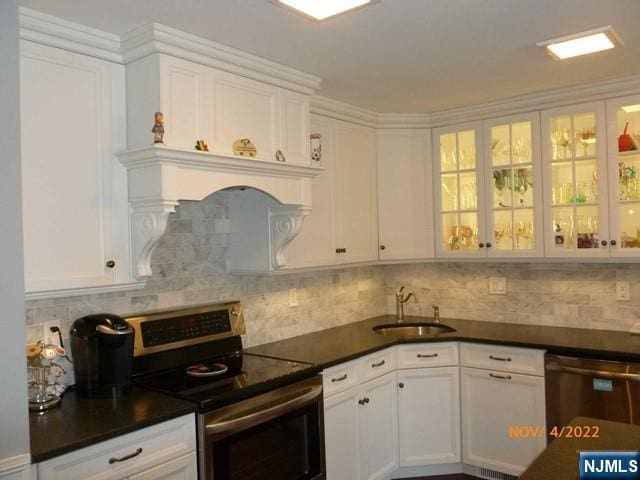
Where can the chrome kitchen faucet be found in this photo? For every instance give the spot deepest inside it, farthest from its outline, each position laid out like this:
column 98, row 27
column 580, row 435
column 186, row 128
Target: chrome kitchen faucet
column 401, row 299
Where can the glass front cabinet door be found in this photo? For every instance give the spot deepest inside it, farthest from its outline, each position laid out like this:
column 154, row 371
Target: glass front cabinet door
column 513, row 187
column 623, row 129
column 574, row 156
column 459, row 191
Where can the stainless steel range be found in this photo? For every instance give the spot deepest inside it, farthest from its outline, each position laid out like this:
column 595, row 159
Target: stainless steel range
column 258, row 417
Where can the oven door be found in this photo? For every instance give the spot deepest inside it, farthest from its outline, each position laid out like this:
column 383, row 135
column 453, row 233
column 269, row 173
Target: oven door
column 278, row 434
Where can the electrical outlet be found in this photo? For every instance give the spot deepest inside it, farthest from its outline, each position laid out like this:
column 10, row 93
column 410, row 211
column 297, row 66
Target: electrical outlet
column 293, row 297
column 49, row 337
column 623, row 291
column 497, row 285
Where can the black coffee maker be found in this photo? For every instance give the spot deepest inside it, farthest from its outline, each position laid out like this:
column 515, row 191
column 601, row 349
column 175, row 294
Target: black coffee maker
column 102, row 347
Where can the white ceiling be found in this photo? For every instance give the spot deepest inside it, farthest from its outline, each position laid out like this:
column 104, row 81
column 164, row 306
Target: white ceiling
column 397, row 56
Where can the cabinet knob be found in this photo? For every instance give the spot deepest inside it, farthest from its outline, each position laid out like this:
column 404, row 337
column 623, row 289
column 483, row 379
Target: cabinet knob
column 110, row 264
column 383, row 247
column 613, row 242
column 401, row 385
column 604, row 243
column 366, row 400
column 488, row 245
column 361, row 402
column 481, row 245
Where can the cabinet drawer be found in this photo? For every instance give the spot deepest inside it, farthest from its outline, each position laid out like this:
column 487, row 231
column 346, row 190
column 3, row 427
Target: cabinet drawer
column 506, row 359
column 339, row 378
column 428, row 355
column 377, row 364
column 156, row 444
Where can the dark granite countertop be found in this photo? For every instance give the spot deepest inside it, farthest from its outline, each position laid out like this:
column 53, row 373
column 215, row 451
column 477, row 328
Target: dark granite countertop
column 79, row 422
column 560, row 460
column 339, row 344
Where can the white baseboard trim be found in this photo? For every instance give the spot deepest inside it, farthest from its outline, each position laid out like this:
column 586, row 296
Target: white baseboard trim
column 443, row 469
column 16, row 467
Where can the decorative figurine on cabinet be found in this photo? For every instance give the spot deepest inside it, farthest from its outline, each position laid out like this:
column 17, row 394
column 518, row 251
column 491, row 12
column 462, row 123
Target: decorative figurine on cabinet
column 202, row 146
column 158, row 128
column 316, row 147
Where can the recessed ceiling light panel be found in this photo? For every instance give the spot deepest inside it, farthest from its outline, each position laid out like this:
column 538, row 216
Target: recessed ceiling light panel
column 631, row 108
column 323, row 9
column 582, row 43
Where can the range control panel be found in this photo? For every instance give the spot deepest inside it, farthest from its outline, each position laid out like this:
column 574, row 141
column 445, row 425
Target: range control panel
column 170, row 330
column 167, row 330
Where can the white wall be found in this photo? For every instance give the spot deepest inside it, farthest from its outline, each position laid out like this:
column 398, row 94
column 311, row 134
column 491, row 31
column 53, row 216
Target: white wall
column 14, row 437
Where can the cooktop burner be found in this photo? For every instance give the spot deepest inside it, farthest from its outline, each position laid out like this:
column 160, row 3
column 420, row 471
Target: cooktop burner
column 221, row 380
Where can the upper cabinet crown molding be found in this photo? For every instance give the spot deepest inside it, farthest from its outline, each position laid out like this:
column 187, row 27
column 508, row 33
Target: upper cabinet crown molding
column 52, row 31
column 156, row 38
column 611, row 88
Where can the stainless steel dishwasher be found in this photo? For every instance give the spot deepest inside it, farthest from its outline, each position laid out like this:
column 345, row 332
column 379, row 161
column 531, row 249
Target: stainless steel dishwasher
column 591, row 388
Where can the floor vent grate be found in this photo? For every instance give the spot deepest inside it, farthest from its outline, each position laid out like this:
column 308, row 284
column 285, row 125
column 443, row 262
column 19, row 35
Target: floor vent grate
column 493, row 475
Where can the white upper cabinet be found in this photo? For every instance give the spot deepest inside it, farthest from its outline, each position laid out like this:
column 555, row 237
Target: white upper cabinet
column 459, row 196
column 315, row 245
column 183, row 102
column 513, row 185
column 74, row 189
column 294, row 129
column 242, row 108
column 405, row 194
column 489, row 188
column 200, row 102
column 575, row 171
column 342, row 225
column 355, row 163
column 623, row 129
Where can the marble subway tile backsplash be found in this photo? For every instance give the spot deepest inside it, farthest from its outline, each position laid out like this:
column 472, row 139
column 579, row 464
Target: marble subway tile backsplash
column 556, row 294
column 188, row 269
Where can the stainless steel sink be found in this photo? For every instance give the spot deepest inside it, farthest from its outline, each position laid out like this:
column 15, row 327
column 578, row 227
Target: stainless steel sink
column 412, row 329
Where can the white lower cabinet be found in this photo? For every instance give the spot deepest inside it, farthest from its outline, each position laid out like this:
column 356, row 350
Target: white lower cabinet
column 408, row 408
column 182, row 468
column 429, row 416
column 493, row 404
column 361, row 431
column 379, row 430
column 164, row 451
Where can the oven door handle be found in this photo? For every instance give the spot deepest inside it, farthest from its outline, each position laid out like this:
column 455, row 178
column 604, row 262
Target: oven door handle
column 594, row 373
column 253, row 417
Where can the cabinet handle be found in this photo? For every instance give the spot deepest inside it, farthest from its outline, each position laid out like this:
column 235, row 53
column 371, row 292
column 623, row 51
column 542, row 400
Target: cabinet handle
column 500, row 359
column 481, row 245
column 361, row 401
column 604, row 243
column 110, row 264
column 613, row 242
column 501, row 377
column 339, row 379
column 341, row 250
column 383, row 247
column 113, row 460
column 379, row 364
column 365, row 399
column 401, row 385
column 280, row 156
column 429, row 355
column 488, row 244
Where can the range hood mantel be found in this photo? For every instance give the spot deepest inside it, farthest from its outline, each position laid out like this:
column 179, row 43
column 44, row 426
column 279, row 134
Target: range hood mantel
column 159, row 177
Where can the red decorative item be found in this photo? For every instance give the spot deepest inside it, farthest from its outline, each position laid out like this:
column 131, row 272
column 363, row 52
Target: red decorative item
column 625, row 142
